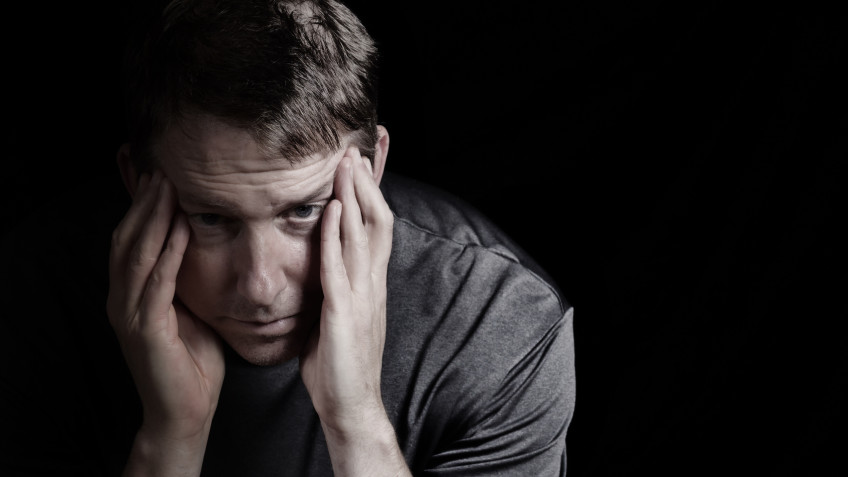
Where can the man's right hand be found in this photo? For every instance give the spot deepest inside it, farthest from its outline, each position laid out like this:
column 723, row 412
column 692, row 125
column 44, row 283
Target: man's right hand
column 176, row 361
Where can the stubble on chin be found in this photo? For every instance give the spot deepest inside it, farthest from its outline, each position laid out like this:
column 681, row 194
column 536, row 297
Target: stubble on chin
column 265, row 351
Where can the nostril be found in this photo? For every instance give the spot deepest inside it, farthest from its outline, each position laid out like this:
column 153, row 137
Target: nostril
column 261, row 286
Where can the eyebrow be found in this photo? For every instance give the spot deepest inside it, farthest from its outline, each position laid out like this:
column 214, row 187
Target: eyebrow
column 210, row 201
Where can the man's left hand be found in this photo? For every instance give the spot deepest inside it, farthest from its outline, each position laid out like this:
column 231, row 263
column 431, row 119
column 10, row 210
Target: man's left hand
column 342, row 361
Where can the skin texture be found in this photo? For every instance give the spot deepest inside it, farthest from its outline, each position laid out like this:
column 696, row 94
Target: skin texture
column 250, row 271
column 281, row 260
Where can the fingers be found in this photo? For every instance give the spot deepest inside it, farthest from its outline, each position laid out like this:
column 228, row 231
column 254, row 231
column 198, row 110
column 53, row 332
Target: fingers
column 333, row 272
column 200, row 341
column 355, row 250
column 342, row 361
column 143, row 267
column 123, row 238
column 365, row 228
column 377, row 218
column 378, row 222
column 150, row 242
column 161, row 285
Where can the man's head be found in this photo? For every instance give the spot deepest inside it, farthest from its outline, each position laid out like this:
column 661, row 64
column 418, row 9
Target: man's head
column 247, row 107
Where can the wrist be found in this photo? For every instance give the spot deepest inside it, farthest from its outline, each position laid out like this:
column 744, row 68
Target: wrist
column 176, row 430
column 156, row 452
column 370, row 448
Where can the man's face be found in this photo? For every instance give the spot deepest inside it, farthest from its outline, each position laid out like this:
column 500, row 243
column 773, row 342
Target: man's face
column 251, row 267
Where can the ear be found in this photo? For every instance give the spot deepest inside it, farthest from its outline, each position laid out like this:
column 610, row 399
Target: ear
column 127, row 168
column 381, row 152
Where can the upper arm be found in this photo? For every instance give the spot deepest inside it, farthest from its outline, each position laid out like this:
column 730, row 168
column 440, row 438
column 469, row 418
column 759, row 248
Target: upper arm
column 520, row 427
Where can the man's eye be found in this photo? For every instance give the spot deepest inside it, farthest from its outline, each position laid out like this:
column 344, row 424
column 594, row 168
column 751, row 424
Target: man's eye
column 209, row 219
column 306, row 211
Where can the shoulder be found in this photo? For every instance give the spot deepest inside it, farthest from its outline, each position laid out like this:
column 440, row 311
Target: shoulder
column 461, row 293
column 439, row 227
column 479, row 341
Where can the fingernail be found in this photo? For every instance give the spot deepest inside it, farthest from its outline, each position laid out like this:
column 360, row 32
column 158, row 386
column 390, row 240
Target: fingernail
column 368, row 166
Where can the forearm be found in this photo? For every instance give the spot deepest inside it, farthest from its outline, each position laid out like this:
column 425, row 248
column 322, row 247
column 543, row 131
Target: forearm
column 155, row 455
column 371, row 450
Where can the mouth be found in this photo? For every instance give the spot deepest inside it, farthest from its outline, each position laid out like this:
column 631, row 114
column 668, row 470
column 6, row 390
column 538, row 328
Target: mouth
column 265, row 322
column 272, row 327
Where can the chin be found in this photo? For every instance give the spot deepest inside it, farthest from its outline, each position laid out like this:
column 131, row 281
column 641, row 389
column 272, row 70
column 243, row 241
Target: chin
column 267, row 349
column 267, row 354
column 266, row 346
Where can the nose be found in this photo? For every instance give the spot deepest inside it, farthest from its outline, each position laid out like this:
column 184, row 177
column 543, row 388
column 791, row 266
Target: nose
column 258, row 263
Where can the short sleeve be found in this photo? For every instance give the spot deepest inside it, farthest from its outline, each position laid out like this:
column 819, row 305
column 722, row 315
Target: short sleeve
column 521, row 427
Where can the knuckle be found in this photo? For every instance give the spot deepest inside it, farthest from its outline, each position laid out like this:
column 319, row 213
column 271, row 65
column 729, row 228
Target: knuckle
column 388, row 225
column 173, row 250
column 340, row 270
column 361, row 242
column 158, row 279
column 385, row 217
column 330, row 235
column 334, row 269
column 139, row 260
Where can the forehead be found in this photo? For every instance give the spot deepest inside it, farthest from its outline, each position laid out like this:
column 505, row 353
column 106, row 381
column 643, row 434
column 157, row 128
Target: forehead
column 208, row 141
column 207, row 158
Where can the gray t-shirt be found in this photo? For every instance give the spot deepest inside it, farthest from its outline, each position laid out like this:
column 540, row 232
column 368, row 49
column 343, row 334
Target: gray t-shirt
column 478, row 372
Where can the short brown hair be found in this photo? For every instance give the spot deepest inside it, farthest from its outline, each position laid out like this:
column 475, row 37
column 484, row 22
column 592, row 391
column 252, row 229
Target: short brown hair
column 295, row 74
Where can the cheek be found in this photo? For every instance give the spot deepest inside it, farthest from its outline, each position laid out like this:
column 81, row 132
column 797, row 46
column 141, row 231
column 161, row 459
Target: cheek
column 312, row 256
column 302, row 260
column 206, row 278
column 203, row 276
column 299, row 256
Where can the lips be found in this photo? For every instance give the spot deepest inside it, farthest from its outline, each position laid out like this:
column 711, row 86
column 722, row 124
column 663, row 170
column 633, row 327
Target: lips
column 262, row 322
column 263, row 328
column 261, row 316
column 266, row 329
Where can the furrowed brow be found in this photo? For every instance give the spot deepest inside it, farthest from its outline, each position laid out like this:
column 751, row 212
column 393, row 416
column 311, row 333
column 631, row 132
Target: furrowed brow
column 324, row 189
column 204, row 201
column 215, row 203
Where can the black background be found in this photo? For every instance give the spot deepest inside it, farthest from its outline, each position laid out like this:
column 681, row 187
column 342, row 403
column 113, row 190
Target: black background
column 677, row 167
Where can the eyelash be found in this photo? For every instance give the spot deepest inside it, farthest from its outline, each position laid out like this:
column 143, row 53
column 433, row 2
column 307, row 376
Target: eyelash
column 315, row 211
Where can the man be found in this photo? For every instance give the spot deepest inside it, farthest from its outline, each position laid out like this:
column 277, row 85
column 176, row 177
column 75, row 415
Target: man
column 285, row 306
